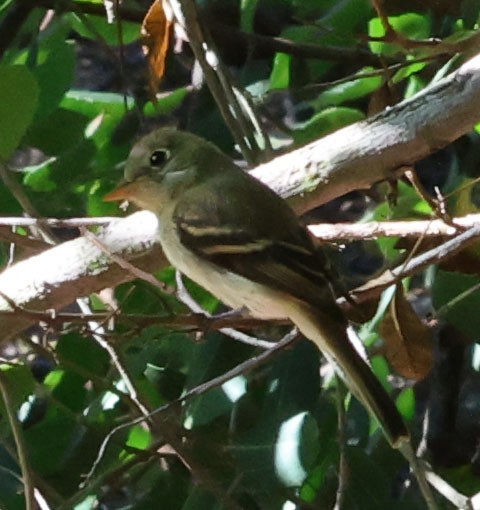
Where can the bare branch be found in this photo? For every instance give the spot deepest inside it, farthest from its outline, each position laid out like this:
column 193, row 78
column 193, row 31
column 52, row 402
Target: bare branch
column 55, row 222
column 374, row 287
column 59, row 275
column 407, row 228
column 354, row 157
column 27, row 475
column 324, row 231
column 381, row 147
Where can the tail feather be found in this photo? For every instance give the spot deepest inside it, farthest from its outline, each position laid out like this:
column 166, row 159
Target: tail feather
column 329, row 333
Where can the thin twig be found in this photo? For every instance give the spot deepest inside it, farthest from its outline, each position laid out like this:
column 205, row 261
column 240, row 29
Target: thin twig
column 342, row 445
column 184, row 296
column 420, row 472
column 123, row 263
column 217, row 78
column 241, row 368
column 374, row 287
column 361, row 294
column 129, row 384
column 223, row 33
column 21, row 197
column 448, row 492
column 187, row 323
column 444, row 309
column 12, row 22
column 29, row 487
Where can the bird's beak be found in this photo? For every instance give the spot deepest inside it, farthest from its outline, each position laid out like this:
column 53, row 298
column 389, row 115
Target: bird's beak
column 122, row 192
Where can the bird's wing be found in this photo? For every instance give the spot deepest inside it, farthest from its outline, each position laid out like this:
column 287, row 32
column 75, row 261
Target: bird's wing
column 274, row 250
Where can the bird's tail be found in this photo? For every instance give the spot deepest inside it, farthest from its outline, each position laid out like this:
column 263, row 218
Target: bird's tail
column 329, row 332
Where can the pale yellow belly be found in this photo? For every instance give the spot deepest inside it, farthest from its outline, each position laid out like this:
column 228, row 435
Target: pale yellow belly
column 232, row 289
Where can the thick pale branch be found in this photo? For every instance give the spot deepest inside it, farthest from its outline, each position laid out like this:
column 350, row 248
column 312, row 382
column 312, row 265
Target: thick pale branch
column 354, row 157
column 59, row 275
column 407, row 228
column 324, row 231
column 381, row 147
column 76, row 268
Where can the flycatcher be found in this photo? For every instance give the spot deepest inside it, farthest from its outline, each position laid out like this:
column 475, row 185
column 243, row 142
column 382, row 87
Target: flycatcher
column 235, row 237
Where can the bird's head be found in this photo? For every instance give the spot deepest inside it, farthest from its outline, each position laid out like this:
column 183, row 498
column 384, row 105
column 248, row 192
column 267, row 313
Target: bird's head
column 162, row 165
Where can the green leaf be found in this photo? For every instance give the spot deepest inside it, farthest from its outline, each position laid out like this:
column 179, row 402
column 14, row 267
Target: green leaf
column 279, row 417
column 209, row 360
column 20, row 384
column 305, row 70
column 325, row 122
column 105, row 110
column 407, row 71
column 55, row 76
column 167, row 103
column 88, row 503
column 19, row 93
column 280, row 75
column 247, row 14
column 345, row 19
column 68, row 388
column 370, row 480
column 58, row 132
column 201, row 499
column 92, row 104
column 311, row 9
column 63, row 175
column 318, row 475
column 413, row 26
column 84, row 353
column 351, row 90
column 38, row 177
column 298, row 381
column 139, row 438
column 406, row 403
column 450, row 293
column 95, row 27
column 470, row 13
column 206, row 300
column 50, row 441
column 296, row 448
column 409, row 204
column 11, row 484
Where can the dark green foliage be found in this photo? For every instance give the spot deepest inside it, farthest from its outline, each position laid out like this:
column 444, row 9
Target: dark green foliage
column 267, row 439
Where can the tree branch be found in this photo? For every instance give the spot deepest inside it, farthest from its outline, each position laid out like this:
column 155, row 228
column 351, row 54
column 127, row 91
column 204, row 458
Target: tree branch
column 324, row 231
column 354, row 157
column 407, row 228
column 76, row 268
column 374, row 287
column 59, row 275
column 381, row 147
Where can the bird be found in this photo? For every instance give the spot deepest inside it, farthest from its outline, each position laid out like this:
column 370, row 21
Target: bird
column 234, row 236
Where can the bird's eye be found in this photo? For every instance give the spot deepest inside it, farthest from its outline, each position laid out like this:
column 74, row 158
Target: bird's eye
column 158, row 158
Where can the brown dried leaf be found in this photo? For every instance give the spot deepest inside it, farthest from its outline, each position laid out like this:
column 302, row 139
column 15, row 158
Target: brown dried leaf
column 408, row 342
column 156, row 30
column 467, row 261
column 359, row 313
